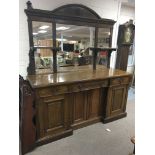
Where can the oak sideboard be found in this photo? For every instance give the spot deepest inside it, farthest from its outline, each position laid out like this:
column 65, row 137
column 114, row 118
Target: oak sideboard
column 73, row 99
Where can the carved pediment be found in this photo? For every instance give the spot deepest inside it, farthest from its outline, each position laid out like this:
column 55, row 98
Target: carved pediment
column 72, row 12
column 76, row 10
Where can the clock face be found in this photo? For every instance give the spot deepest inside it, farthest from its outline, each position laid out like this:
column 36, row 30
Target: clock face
column 127, row 35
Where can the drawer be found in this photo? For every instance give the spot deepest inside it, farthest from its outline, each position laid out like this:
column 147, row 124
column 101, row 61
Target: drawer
column 119, row 81
column 88, row 85
column 51, row 91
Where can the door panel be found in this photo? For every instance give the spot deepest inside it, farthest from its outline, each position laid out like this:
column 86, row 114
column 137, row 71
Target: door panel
column 79, row 108
column 93, row 103
column 52, row 115
column 117, row 97
column 55, row 111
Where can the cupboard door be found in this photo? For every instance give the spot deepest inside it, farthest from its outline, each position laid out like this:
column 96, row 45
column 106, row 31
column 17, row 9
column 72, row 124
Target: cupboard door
column 86, row 107
column 117, row 97
column 53, row 115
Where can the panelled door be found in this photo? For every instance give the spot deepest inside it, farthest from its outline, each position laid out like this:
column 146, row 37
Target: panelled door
column 117, row 96
column 52, row 115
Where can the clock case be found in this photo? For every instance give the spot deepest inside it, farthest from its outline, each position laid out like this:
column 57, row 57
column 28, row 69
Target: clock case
column 125, row 41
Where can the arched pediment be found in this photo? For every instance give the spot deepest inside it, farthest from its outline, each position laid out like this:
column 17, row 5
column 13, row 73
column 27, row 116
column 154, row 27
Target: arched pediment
column 75, row 13
column 76, row 10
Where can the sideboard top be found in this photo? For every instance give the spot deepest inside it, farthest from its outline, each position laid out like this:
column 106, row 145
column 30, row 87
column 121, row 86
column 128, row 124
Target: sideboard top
column 72, row 75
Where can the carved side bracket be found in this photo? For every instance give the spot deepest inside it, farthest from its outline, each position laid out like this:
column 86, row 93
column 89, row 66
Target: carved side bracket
column 27, row 116
column 31, row 67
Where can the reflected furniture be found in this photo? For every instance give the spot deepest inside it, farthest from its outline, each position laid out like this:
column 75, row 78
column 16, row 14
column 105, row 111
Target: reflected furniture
column 53, row 104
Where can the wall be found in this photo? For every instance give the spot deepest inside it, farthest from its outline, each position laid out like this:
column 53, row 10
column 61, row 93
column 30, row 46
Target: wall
column 105, row 8
column 127, row 12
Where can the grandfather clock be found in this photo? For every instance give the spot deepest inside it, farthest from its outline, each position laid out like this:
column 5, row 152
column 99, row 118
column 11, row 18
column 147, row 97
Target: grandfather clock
column 124, row 44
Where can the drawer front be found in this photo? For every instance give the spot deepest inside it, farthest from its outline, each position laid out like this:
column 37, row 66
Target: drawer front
column 54, row 90
column 57, row 90
column 88, row 85
column 119, row 81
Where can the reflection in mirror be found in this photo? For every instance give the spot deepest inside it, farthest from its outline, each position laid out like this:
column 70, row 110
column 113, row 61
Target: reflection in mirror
column 41, row 61
column 103, row 42
column 42, row 39
column 103, row 37
column 102, row 58
column 42, row 34
column 74, row 42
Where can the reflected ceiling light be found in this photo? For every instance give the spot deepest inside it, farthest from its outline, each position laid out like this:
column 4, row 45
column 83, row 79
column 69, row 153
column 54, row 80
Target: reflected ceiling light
column 44, row 27
column 34, row 33
column 42, row 31
column 59, row 39
column 72, row 41
column 62, row 28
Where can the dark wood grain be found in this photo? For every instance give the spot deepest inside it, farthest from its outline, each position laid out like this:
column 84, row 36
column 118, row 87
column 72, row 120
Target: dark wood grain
column 76, row 13
column 27, row 117
column 54, row 45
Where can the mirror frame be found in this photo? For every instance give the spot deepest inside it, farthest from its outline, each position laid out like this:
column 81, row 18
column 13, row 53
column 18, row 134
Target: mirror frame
column 73, row 14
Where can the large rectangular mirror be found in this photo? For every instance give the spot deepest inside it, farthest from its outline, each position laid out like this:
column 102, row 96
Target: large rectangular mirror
column 42, row 34
column 103, row 42
column 74, row 42
column 43, row 42
column 103, row 37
